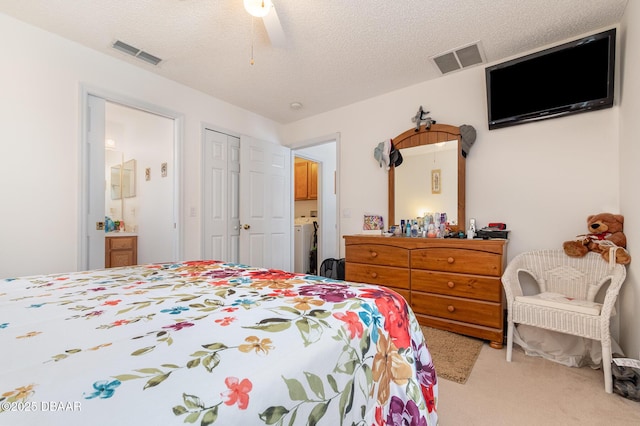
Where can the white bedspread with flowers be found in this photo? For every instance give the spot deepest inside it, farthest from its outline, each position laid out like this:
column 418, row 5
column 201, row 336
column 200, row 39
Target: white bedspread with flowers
column 207, row 342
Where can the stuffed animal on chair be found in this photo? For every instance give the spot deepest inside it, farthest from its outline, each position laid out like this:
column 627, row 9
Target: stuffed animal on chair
column 605, row 232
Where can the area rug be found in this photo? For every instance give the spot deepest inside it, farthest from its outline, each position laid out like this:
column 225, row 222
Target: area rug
column 454, row 355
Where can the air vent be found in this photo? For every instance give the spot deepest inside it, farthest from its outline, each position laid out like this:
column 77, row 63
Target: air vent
column 134, row 51
column 459, row 58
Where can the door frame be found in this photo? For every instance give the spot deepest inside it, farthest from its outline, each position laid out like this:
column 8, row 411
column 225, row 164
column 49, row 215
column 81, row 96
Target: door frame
column 83, row 192
column 295, row 147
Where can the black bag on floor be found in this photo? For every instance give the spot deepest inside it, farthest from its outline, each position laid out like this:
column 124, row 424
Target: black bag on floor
column 626, row 380
column 332, row 268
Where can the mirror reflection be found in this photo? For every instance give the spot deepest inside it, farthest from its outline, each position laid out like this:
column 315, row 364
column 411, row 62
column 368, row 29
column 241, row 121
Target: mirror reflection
column 123, row 180
column 427, row 181
column 433, row 181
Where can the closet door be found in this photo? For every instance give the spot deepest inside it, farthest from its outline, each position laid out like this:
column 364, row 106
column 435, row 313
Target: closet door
column 265, row 204
column 221, row 221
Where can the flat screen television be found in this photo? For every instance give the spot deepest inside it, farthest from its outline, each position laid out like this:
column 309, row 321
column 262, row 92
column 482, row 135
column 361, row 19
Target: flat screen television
column 567, row 79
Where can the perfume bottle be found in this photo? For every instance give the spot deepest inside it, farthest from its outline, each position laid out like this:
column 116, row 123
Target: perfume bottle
column 471, row 233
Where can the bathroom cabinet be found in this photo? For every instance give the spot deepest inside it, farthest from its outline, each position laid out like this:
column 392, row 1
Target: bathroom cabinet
column 120, row 250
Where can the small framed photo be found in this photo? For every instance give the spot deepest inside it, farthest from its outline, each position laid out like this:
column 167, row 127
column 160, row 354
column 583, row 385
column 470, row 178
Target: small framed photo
column 436, row 181
column 163, row 170
column 147, row 173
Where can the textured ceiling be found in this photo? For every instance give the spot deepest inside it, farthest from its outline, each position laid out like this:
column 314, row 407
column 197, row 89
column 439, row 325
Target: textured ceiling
column 337, row 52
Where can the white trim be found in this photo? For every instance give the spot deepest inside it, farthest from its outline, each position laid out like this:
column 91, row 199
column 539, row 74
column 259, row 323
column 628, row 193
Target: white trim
column 84, row 92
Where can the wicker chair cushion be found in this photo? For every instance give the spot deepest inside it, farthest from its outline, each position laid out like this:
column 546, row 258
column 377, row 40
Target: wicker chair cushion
column 560, row 301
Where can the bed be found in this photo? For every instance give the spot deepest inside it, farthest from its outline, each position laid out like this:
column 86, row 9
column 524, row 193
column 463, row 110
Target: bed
column 208, row 342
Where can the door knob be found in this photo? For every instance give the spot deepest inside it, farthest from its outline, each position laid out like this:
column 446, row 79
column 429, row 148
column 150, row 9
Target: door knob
column 246, row 226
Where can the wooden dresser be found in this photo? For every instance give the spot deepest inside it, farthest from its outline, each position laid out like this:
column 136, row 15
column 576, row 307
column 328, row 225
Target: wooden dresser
column 450, row 284
column 120, row 250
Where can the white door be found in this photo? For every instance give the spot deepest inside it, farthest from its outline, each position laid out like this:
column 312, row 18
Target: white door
column 96, row 183
column 221, row 220
column 265, row 204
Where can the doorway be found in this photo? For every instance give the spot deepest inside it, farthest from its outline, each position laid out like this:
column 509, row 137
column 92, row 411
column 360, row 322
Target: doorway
column 141, row 134
column 322, row 151
column 145, row 142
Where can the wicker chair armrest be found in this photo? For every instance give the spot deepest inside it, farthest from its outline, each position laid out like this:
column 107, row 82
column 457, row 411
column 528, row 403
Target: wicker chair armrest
column 511, row 280
column 617, row 279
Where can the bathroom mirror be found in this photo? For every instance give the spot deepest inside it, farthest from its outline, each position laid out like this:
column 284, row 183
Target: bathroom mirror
column 116, row 185
column 431, row 177
column 129, row 179
column 123, row 180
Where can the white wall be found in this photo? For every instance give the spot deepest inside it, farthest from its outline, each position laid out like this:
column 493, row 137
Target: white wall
column 546, row 176
column 543, row 179
column 630, row 172
column 40, row 80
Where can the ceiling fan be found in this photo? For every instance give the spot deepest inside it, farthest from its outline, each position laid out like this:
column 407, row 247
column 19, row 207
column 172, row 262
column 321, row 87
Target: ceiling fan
column 266, row 10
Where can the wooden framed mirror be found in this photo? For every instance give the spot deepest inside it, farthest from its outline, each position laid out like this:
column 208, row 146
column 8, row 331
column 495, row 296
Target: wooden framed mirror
column 431, row 177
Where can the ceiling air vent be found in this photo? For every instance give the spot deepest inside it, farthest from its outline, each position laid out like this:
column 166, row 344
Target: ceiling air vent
column 459, row 58
column 134, row 51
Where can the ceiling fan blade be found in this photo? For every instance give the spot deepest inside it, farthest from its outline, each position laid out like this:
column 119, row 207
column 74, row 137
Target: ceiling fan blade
column 274, row 29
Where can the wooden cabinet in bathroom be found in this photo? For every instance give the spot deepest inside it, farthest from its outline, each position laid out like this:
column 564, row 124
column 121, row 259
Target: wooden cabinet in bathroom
column 120, row 250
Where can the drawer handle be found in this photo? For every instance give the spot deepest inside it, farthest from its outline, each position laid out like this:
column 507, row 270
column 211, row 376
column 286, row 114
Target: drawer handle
column 374, row 275
column 374, row 254
column 450, row 284
column 450, row 260
column 451, row 308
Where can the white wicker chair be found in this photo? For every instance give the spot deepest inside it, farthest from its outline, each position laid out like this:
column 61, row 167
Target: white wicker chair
column 568, row 287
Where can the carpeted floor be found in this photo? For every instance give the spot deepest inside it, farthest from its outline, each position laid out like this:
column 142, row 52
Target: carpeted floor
column 453, row 354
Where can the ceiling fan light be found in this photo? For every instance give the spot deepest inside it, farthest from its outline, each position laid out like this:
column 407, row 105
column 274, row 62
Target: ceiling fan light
column 258, row 8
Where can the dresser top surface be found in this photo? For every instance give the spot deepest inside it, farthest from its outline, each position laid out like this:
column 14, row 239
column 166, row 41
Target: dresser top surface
column 495, row 245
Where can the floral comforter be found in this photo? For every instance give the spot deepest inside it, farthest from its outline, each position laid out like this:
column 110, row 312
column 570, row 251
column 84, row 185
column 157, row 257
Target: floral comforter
column 208, row 342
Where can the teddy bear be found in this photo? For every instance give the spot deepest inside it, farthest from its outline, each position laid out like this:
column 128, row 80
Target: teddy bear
column 605, row 231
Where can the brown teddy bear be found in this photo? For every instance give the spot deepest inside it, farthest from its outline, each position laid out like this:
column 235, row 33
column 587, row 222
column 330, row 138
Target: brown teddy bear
column 605, row 231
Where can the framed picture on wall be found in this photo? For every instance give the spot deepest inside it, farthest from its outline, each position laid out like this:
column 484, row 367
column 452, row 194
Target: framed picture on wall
column 436, row 181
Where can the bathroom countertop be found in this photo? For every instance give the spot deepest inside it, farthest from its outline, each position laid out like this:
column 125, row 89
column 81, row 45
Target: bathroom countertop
column 120, row 234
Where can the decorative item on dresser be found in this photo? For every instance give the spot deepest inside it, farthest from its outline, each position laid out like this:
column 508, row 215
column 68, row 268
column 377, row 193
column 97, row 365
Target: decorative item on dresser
column 451, row 284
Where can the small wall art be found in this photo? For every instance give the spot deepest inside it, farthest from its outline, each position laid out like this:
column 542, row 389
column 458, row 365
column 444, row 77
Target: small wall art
column 147, row 173
column 163, row 169
column 436, row 181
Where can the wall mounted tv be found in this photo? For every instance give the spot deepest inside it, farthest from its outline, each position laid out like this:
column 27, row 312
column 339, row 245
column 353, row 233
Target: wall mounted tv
column 567, row 79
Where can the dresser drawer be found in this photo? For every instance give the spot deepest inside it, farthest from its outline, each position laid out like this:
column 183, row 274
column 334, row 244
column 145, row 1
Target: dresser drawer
column 460, row 285
column 488, row 314
column 121, row 243
column 457, row 260
column 373, row 274
column 377, row 254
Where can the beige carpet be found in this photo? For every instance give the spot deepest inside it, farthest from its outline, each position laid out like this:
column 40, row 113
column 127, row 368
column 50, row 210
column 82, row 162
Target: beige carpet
column 453, row 354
